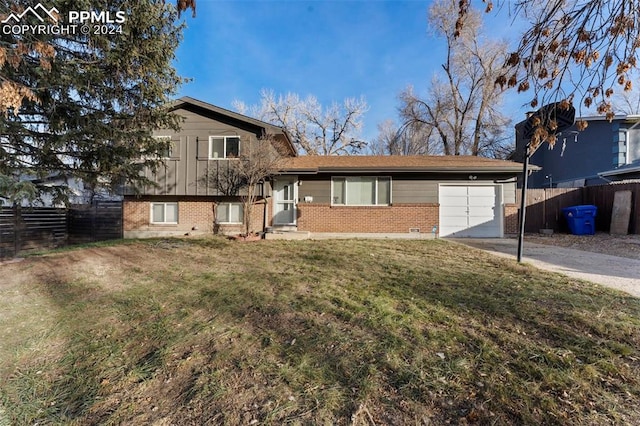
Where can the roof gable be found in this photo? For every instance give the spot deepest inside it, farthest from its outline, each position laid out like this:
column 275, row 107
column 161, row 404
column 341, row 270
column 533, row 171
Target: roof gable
column 233, row 119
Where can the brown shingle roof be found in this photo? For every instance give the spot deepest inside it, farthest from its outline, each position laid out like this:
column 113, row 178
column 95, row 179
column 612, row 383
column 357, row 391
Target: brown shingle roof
column 417, row 163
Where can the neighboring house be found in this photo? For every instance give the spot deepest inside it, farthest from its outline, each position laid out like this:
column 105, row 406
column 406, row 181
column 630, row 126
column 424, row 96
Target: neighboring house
column 603, row 152
column 385, row 195
column 74, row 188
column 626, row 173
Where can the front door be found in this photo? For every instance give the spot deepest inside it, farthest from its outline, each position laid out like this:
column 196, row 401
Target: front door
column 284, row 206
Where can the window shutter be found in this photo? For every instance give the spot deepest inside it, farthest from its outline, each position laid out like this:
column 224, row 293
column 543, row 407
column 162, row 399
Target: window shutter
column 203, row 149
column 175, row 149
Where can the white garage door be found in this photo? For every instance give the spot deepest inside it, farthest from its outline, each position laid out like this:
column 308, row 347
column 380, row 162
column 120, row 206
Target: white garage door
column 470, row 211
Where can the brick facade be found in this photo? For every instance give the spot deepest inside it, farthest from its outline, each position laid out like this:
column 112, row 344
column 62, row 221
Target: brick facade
column 398, row 218
column 195, row 216
column 511, row 219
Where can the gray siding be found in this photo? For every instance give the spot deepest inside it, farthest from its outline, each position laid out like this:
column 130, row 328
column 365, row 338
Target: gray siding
column 320, row 190
column 185, row 172
column 409, row 191
column 403, row 191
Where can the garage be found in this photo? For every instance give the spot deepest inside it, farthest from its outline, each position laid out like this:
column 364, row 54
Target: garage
column 470, row 211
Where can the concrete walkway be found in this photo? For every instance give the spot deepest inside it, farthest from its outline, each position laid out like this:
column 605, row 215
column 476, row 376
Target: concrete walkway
column 612, row 271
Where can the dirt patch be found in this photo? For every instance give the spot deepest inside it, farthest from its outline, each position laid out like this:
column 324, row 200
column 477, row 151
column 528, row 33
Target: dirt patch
column 615, row 245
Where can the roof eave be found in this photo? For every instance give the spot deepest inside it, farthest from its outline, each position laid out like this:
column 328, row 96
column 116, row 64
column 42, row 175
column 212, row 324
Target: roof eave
column 620, row 171
column 379, row 170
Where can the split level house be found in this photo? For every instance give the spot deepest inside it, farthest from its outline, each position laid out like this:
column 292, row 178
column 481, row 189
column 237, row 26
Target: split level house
column 606, row 151
column 414, row 196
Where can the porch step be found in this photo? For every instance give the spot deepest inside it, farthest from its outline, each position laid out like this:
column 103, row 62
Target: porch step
column 282, row 228
column 278, row 234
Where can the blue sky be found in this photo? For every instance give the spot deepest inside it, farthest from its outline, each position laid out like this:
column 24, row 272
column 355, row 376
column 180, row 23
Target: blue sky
column 332, row 49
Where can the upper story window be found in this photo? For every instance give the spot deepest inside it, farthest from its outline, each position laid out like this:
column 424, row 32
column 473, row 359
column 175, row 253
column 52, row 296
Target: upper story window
column 167, row 151
column 361, row 191
column 221, row 147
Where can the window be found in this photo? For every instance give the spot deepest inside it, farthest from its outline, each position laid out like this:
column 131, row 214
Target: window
column 230, row 213
column 164, row 213
column 361, row 191
column 166, row 152
column 224, row 147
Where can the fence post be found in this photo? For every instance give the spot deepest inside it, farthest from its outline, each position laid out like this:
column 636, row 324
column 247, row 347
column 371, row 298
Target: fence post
column 17, row 225
column 94, row 212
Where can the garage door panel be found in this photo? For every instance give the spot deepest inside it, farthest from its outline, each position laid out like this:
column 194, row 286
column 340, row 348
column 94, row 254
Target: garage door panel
column 482, row 191
column 454, row 210
column 482, row 201
column 481, row 211
column 478, row 233
column 460, row 191
column 458, row 202
column 482, row 221
column 457, row 222
column 469, row 211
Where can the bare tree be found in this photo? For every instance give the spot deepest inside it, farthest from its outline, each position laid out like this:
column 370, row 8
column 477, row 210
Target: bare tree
column 461, row 105
column 580, row 52
column 242, row 176
column 413, row 138
column 628, row 102
column 315, row 130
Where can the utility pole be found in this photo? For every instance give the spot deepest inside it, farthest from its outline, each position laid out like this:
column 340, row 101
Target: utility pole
column 523, row 199
column 562, row 118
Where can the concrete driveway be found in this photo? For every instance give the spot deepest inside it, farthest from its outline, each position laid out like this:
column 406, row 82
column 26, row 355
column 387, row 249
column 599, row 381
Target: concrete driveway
column 612, row 271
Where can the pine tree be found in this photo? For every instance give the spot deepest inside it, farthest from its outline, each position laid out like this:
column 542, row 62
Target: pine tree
column 84, row 105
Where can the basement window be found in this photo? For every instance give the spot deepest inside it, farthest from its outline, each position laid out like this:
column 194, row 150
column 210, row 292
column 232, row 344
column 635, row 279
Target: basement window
column 164, row 213
column 230, row 213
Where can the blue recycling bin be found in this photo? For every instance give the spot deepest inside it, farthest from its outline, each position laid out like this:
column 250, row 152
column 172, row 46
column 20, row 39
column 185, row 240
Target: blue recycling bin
column 581, row 219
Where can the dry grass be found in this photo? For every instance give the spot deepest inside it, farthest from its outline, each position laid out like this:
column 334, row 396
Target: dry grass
column 616, row 245
column 206, row 331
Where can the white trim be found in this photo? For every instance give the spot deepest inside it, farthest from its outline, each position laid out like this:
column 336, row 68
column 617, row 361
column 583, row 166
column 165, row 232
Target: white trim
column 293, row 180
column 228, row 204
column 224, row 146
column 165, row 204
column 499, row 212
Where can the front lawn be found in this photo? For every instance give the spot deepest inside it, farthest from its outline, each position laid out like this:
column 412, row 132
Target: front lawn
column 207, row 331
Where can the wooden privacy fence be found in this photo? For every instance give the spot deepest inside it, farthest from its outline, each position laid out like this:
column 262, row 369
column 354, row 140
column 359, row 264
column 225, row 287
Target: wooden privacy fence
column 23, row 228
column 29, row 228
column 544, row 206
column 99, row 221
